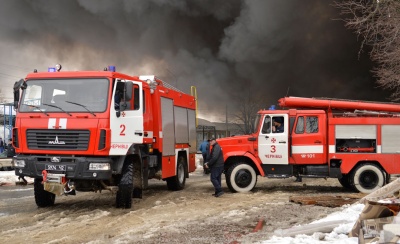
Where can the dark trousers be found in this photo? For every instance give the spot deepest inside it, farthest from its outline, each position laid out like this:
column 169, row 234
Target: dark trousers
column 215, row 177
column 204, row 157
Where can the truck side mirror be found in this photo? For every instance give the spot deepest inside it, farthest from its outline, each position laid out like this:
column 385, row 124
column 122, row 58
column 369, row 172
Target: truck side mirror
column 21, row 84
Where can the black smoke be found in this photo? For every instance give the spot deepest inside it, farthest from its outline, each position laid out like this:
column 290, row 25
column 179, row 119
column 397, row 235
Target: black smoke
column 273, row 48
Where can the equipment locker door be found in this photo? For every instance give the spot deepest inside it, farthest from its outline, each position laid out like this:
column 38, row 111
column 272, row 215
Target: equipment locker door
column 273, row 141
column 127, row 129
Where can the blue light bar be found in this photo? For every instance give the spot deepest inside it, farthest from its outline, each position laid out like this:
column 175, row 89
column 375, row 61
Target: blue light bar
column 51, row 69
column 111, row 68
column 272, row 107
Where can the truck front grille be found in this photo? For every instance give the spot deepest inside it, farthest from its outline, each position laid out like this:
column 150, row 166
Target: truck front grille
column 58, row 139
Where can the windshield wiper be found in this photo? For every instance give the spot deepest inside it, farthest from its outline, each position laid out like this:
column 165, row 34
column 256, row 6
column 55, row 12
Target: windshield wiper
column 83, row 106
column 36, row 108
column 54, row 106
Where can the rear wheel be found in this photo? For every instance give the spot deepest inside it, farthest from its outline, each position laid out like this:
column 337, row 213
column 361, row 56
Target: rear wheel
column 125, row 187
column 177, row 182
column 367, row 178
column 345, row 182
column 241, row 177
column 42, row 198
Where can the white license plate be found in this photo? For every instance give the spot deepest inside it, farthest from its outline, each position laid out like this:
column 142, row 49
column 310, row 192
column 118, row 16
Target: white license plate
column 56, row 167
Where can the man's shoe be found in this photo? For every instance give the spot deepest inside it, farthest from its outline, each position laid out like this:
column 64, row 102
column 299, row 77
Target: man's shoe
column 219, row 194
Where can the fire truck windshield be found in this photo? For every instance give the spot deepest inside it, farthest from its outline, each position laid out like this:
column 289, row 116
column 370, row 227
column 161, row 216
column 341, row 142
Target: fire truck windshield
column 65, row 95
column 256, row 123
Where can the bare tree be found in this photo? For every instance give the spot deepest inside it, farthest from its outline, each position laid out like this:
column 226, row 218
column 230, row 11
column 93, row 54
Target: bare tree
column 377, row 23
column 246, row 110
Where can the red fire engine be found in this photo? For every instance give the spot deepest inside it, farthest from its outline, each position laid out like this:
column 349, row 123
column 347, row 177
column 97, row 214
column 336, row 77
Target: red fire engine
column 95, row 130
column 354, row 141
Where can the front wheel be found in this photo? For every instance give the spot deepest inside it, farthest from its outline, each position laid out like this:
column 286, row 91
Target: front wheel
column 42, row 198
column 125, row 187
column 241, row 177
column 367, row 178
column 177, row 182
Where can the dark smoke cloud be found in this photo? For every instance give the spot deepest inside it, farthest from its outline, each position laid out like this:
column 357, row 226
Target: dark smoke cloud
column 221, row 47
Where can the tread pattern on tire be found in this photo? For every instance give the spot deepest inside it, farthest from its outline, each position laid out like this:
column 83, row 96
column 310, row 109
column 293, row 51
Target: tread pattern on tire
column 42, row 198
column 173, row 183
column 125, row 187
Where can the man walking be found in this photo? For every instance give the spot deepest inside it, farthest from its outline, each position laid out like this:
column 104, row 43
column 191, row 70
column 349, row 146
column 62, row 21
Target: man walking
column 216, row 165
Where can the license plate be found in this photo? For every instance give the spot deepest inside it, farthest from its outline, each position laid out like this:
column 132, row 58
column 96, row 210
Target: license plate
column 56, row 167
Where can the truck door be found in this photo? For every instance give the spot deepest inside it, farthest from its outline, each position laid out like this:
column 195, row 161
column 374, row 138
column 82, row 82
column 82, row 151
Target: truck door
column 126, row 118
column 308, row 139
column 273, row 139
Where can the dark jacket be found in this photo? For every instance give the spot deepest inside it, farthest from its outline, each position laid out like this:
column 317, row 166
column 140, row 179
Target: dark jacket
column 216, row 158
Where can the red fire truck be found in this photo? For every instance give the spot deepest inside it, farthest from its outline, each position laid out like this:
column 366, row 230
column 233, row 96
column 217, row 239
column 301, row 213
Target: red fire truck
column 96, row 130
column 354, row 141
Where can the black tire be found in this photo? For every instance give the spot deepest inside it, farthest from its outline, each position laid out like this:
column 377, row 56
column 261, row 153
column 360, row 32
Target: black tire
column 125, row 187
column 241, row 177
column 177, row 182
column 42, row 198
column 367, row 178
column 345, row 182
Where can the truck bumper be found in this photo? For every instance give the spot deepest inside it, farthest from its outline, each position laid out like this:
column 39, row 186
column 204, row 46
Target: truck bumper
column 72, row 167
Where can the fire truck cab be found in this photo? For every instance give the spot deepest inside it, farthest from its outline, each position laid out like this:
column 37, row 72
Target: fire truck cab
column 354, row 141
column 96, row 130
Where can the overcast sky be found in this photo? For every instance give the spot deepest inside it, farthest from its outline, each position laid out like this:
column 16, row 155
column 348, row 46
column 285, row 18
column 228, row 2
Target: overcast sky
column 274, row 48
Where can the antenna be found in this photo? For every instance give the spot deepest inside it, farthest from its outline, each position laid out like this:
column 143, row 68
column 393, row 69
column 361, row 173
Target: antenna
column 287, row 92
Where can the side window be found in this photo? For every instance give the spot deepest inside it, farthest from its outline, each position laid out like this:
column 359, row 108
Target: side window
column 312, row 125
column 266, row 129
column 278, row 124
column 136, row 104
column 300, row 125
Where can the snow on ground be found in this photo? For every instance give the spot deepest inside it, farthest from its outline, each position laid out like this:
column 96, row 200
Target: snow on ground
column 349, row 214
column 9, row 178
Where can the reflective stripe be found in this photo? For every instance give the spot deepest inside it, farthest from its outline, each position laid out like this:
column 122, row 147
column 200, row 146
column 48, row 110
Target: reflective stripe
column 332, row 149
column 308, row 149
column 51, row 124
column 63, row 124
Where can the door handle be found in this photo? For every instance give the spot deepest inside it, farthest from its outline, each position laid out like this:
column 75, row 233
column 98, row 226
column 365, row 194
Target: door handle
column 139, row 133
column 284, row 142
column 266, row 137
column 317, row 141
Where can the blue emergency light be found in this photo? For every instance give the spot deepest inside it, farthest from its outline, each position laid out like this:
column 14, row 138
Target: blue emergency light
column 272, row 107
column 51, row 69
column 111, row 68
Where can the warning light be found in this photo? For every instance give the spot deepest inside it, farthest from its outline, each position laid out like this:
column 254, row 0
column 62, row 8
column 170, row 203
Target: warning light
column 111, row 68
column 51, row 69
column 272, row 107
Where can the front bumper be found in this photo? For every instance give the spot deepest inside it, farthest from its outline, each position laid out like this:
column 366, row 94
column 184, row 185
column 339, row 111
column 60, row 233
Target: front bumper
column 75, row 167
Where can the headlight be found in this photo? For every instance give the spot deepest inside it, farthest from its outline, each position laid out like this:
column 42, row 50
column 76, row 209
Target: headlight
column 18, row 163
column 99, row 166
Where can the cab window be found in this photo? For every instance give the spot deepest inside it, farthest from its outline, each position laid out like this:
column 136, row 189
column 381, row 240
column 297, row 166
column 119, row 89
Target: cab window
column 309, row 126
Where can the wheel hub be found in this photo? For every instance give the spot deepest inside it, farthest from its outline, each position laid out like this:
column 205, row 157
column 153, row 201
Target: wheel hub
column 243, row 178
column 369, row 179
